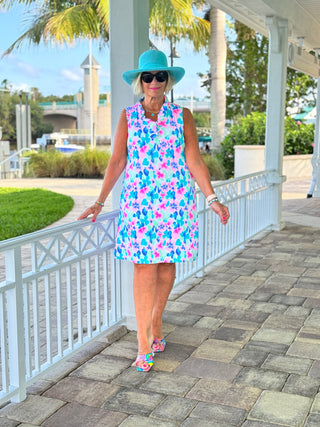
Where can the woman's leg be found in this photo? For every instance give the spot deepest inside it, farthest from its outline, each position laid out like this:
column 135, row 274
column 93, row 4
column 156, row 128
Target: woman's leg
column 165, row 278
column 144, row 291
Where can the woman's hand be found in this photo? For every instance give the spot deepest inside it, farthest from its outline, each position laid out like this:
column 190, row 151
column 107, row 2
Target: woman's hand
column 94, row 210
column 221, row 210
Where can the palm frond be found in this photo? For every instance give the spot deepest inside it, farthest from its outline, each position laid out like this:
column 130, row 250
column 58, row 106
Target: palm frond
column 75, row 22
column 33, row 35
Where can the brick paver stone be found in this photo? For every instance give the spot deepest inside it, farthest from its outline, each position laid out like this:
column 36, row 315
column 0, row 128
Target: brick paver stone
column 302, row 385
column 102, row 368
column 87, row 392
column 75, row 415
column 288, row 364
column 224, row 393
column 140, row 421
column 304, row 349
column 169, row 383
column 4, row 422
column 222, row 413
column 33, row 410
column 222, row 351
column 285, row 409
column 274, row 335
column 204, row 368
column 188, row 335
column 133, row 401
column 174, row 408
column 260, row 378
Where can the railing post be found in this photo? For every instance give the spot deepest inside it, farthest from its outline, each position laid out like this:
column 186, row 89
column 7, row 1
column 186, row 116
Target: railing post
column 243, row 211
column 202, row 235
column 17, row 364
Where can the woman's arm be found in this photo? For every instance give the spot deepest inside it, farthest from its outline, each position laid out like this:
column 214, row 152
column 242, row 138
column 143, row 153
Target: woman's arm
column 197, row 166
column 116, row 165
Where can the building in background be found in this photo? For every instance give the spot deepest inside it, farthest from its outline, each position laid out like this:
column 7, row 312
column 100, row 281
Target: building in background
column 74, row 118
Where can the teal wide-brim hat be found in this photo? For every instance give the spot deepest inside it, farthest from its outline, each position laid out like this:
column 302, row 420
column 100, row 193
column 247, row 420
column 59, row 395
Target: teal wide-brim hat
column 153, row 60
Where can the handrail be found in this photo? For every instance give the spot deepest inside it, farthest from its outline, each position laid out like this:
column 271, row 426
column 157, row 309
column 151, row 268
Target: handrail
column 17, row 153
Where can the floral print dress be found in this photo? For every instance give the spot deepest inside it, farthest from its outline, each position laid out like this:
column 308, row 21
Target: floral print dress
column 158, row 220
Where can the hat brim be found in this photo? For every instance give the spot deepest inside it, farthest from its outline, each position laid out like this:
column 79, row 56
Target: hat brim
column 176, row 72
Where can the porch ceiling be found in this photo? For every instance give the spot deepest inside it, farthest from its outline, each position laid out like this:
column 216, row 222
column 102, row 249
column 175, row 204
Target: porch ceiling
column 303, row 17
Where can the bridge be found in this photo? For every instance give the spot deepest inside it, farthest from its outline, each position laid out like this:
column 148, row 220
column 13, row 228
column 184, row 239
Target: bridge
column 70, row 108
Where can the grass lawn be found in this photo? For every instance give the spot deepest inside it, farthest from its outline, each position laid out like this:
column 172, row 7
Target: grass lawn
column 23, row 211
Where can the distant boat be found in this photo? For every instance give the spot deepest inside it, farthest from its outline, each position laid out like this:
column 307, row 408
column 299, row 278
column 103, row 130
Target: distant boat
column 56, row 141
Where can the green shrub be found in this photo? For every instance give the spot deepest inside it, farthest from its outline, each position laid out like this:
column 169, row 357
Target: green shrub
column 298, row 137
column 215, row 167
column 87, row 163
column 250, row 130
column 49, row 164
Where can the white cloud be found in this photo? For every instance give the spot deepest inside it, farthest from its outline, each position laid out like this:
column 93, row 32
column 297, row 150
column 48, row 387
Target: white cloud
column 22, row 87
column 74, row 76
column 30, row 70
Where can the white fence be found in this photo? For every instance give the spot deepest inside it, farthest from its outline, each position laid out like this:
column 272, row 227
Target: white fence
column 13, row 166
column 61, row 287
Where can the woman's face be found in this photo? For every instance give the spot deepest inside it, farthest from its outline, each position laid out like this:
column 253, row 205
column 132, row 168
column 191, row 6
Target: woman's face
column 154, row 83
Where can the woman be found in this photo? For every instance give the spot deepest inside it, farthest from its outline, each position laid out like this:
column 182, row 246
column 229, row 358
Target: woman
column 157, row 145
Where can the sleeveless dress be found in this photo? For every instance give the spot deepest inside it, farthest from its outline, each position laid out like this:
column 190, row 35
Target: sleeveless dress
column 158, row 220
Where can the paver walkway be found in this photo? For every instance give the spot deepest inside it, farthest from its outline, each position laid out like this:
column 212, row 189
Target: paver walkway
column 243, row 349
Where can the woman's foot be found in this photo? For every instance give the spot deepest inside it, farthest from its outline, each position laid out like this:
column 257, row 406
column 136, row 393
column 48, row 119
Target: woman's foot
column 158, row 345
column 144, row 362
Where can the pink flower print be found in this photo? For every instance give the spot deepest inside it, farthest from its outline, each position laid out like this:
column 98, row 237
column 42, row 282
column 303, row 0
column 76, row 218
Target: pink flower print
column 143, row 190
column 157, row 254
column 142, row 230
column 160, row 174
column 157, row 214
column 181, row 190
column 144, row 149
column 189, row 254
column 160, row 246
column 162, row 123
column 172, row 140
column 177, row 230
column 164, row 165
column 163, row 205
column 176, row 112
column 160, row 132
column 190, row 215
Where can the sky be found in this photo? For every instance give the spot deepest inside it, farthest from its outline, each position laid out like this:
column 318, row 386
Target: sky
column 56, row 70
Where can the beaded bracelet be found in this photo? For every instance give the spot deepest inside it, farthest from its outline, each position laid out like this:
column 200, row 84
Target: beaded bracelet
column 213, row 200
column 99, row 203
column 211, row 196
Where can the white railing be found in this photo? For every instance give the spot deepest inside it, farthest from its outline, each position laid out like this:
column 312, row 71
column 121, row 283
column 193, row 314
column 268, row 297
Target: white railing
column 249, row 199
column 61, row 287
column 13, row 166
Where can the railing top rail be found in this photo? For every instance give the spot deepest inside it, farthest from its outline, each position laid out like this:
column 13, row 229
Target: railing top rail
column 17, row 153
column 40, row 234
column 241, row 178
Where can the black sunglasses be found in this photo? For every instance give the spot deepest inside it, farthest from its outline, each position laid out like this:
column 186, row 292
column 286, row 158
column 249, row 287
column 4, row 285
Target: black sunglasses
column 161, row 76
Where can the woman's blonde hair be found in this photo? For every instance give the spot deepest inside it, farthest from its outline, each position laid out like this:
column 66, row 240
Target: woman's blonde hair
column 137, row 85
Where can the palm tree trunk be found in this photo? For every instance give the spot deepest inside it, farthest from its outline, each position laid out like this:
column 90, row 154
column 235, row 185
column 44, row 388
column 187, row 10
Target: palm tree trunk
column 217, row 61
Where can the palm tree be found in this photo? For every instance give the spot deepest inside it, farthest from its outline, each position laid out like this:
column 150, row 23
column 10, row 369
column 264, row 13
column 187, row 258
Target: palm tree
column 217, row 61
column 175, row 19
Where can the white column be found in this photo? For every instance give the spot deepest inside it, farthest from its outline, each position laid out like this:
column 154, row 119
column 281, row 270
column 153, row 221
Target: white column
column 277, row 74
column 316, row 149
column 129, row 37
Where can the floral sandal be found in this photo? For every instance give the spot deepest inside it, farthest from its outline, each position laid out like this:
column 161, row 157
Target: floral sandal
column 158, row 345
column 144, row 362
